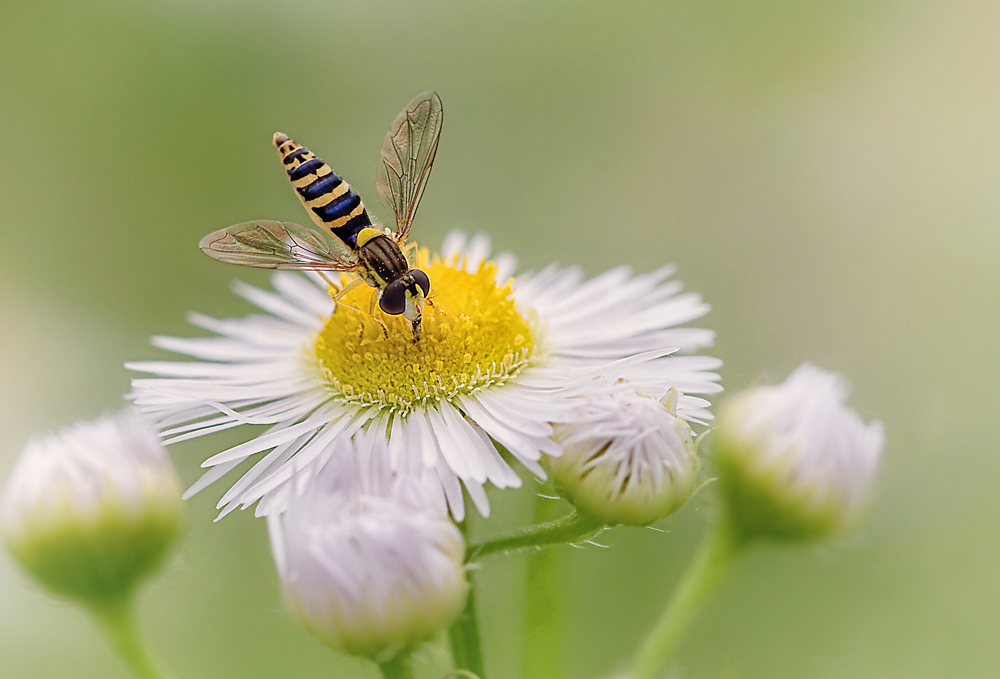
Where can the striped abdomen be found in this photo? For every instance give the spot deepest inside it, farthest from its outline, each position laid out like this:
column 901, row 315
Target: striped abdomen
column 330, row 201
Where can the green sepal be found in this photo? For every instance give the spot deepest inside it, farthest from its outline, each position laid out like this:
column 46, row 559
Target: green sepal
column 98, row 558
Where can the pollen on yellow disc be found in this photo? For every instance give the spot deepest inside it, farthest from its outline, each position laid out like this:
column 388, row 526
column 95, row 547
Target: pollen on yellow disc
column 473, row 337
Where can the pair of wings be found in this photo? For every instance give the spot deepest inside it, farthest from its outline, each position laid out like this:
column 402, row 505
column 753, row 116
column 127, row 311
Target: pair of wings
column 400, row 178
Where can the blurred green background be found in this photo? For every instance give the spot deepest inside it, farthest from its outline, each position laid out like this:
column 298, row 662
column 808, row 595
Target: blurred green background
column 825, row 173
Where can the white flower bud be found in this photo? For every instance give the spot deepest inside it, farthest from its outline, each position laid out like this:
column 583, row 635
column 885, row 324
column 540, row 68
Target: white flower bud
column 92, row 509
column 627, row 458
column 369, row 561
column 794, row 461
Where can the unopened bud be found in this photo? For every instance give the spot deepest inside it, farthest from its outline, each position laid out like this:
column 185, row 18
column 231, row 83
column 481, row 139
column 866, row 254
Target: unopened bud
column 794, row 462
column 92, row 509
column 367, row 563
column 627, row 458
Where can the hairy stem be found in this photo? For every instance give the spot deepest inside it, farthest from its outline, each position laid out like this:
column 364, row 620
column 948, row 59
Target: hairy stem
column 711, row 563
column 543, row 657
column 466, row 647
column 573, row 527
column 117, row 620
column 397, row 668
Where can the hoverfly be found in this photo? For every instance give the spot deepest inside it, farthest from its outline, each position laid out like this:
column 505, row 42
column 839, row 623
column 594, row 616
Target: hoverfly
column 375, row 257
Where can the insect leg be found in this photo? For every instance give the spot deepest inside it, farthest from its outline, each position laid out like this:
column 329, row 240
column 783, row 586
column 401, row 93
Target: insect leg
column 346, row 289
column 329, row 281
column 410, row 252
column 371, row 312
column 352, row 308
column 343, row 291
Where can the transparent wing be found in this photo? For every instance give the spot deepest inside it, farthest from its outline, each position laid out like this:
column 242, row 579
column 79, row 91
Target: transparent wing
column 407, row 155
column 274, row 245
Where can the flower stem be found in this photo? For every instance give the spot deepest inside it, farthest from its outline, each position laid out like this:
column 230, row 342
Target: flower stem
column 397, row 668
column 116, row 618
column 716, row 554
column 543, row 657
column 466, row 647
column 573, row 527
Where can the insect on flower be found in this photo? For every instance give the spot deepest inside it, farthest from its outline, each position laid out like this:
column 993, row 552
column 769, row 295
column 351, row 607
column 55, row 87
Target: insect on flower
column 376, row 257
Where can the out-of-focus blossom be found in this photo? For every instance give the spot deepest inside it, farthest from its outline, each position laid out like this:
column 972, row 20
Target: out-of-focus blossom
column 793, row 460
column 368, row 559
column 92, row 509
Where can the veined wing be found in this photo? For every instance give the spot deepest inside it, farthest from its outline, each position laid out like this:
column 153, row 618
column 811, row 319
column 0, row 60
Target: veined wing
column 407, row 155
column 266, row 244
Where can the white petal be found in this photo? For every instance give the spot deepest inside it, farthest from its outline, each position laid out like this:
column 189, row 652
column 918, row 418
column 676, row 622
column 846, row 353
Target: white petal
column 276, row 305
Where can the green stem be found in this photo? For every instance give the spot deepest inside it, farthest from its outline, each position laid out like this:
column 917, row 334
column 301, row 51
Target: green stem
column 571, row 528
column 543, row 658
column 716, row 554
column 116, row 618
column 466, row 647
column 397, row 668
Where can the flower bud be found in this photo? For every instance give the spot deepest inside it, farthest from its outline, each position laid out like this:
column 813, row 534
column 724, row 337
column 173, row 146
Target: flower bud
column 92, row 509
column 794, row 462
column 627, row 458
column 364, row 564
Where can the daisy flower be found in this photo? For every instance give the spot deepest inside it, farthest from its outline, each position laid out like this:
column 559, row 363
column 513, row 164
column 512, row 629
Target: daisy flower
column 501, row 361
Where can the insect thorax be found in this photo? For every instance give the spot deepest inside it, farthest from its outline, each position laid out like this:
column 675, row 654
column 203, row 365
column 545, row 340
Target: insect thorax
column 383, row 260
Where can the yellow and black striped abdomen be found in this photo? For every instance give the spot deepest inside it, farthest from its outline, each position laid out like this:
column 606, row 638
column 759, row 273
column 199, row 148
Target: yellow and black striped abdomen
column 330, row 201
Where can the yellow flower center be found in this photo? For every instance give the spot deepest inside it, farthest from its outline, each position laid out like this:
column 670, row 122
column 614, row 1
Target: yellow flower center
column 473, row 338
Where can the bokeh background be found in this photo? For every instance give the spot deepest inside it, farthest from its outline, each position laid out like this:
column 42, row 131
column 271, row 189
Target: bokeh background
column 825, row 173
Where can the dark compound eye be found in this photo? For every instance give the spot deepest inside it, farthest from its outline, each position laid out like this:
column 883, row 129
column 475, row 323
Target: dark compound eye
column 393, row 299
column 421, row 279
